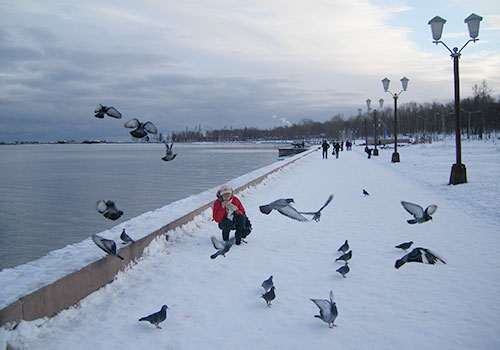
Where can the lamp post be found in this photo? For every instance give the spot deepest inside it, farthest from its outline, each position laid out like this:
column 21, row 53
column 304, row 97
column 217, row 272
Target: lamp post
column 468, row 120
column 368, row 103
column 458, row 170
column 385, row 84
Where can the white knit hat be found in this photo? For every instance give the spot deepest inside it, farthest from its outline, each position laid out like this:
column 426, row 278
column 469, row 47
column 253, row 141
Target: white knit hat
column 225, row 189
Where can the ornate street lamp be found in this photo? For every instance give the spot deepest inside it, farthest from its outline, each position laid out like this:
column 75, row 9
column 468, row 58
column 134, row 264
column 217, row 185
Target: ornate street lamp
column 385, row 84
column 458, row 170
column 368, row 103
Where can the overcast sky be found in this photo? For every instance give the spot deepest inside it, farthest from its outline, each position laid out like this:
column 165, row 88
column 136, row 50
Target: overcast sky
column 223, row 63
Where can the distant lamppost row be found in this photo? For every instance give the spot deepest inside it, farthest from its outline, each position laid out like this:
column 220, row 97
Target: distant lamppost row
column 385, row 84
column 458, row 170
column 368, row 103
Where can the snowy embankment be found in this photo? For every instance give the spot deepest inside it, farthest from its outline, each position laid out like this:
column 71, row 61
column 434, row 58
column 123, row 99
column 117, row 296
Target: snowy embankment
column 217, row 304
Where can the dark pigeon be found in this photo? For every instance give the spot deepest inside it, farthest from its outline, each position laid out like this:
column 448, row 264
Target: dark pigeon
column 317, row 214
column 108, row 245
column 404, row 246
column 222, row 247
column 141, row 129
column 168, row 153
column 344, row 247
column 101, row 110
column 283, row 206
column 343, row 270
column 365, row 192
column 125, row 237
column 108, row 209
column 267, row 284
column 327, row 310
column 346, row 257
column 420, row 255
column 418, row 212
column 156, row 318
column 269, row 296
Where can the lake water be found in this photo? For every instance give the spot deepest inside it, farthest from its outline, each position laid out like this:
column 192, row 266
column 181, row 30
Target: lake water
column 48, row 192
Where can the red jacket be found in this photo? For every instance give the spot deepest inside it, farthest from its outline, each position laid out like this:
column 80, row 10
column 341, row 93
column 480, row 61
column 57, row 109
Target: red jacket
column 220, row 213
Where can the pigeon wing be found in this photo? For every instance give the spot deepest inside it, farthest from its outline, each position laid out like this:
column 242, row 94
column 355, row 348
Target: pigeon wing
column 433, row 258
column 216, row 243
column 98, row 240
column 414, row 209
column 431, row 209
column 132, row 123
column 113, row 112
column 150, row 127
column 292, row 213
column 324, row 307
column 327, row 202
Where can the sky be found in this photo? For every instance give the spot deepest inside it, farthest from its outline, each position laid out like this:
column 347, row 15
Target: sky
column 226, row 64
column 216, row 304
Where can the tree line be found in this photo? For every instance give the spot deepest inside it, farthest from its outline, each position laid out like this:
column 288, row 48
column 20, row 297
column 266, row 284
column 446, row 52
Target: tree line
column 480, row 116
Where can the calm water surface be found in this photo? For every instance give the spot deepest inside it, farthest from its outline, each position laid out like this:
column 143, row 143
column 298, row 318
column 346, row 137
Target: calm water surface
column 48, row 192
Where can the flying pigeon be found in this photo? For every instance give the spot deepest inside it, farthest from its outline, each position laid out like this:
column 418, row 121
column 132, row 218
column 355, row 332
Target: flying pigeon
column 101, row 110
column 421, row 255
column 345, row 257
column 269, row 296
column 141, row 129
column 404, row 246
column 283, row 206
column 418, row 212
column 343, row 270
column 222, row 247
column 344, row 247
column 125, row 237
column 156, row 318
column 317, row 214
column 168, row 155
column 365, row 192
column 108, row 245
column 267, row 284
column 108, row 209
column 327, row 310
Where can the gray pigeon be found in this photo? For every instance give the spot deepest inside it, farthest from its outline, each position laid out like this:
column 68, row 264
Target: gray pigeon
column 267, row 284
column 327, row 310
column 141, row 129
column 156, row 318
column 343, row 270
column 108, row 209
column 108, row 245
column 365, row 192
column 125, row 237
column 418, row 212
column 283, row 206
column 404, row 246
column 317, row 214
column 421, row 255
column 345, row 257
column 168, row 153
column 344, row 247
column 222, row 247
column 101, row 110
column 269, row 296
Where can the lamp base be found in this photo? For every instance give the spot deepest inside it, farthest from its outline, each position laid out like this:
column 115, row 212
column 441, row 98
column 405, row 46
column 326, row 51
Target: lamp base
column 458, row 174
column 395, row 157
column 375, row 152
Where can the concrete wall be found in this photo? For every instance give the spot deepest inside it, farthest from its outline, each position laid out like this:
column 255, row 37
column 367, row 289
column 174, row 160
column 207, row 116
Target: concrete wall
column 67, row 291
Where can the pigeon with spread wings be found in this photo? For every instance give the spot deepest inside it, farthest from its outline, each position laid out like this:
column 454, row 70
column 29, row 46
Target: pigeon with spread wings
column 284, row 207
column 101, row 110
column 317, row 214
column 141, row 129
column 418, row 212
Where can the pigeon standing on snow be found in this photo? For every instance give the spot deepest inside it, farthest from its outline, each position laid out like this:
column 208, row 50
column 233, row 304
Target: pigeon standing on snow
column 222, row 247
column 267, row 284
column 404, row 246
column 108, row 245
column 125, row 237
column 365, row 193
column 343, row 270
column 344, row 247
column 101, row 110
column 269, row 296
column 317, row 214
column 283, row 206
column 345, row 257
column 418, row 212
column 421, row 255
column 108, row 209
column 327, row 310
column 156, row 318
column 141, row 129
column 168, row 153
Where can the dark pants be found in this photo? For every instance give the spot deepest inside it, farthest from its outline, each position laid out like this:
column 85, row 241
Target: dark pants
column 325, row 154
column 238, row 224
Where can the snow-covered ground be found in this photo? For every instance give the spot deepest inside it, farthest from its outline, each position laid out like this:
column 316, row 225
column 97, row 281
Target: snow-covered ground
column 216, row 304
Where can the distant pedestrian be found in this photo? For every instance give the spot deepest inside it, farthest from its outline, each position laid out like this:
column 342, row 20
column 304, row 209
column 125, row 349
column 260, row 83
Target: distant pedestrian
column 337, row 149
column 325, row 147
column 342, row 146
column 368, row 151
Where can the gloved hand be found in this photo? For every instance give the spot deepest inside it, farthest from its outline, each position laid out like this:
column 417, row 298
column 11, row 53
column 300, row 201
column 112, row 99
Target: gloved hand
column 231, row 207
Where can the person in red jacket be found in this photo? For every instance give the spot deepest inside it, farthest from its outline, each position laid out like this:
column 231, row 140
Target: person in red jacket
column 229, row 213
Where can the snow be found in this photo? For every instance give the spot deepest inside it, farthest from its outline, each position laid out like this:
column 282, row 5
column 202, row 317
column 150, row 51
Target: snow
column 217, row 304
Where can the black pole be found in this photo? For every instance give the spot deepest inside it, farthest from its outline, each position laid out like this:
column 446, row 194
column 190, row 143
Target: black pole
column 375, row 151
column 395, row 155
